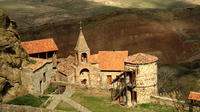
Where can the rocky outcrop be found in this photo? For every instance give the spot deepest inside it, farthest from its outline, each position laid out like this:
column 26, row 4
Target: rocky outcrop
column 12, row 57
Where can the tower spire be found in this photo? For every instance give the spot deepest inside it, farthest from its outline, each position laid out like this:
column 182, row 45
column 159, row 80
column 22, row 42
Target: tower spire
column 81, row 44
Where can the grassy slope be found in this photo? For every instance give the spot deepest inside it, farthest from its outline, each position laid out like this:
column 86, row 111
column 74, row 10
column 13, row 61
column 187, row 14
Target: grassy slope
column 66, row 107
column 29, row 100
column 104, row 104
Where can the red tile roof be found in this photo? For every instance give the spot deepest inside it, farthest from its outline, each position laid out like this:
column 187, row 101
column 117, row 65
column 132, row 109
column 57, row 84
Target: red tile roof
column 141, row 58
column 112, row 60
column 65, row 65
column 39, row 46
column 194, row 96
column 38, row 64
column 93, row 58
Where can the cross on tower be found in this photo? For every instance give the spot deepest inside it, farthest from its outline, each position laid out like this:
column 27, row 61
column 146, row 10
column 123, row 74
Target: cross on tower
column 80, row 25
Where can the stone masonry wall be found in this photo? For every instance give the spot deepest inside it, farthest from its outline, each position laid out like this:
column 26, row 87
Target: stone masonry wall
column 19, row 108
column 78, row 77
column 146, row 82
column 105, row 83
column 31, row 80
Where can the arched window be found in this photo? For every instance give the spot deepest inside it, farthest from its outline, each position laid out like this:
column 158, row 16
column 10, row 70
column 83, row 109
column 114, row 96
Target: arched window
column 83, row 57
column 85, row 70
column 84, row 75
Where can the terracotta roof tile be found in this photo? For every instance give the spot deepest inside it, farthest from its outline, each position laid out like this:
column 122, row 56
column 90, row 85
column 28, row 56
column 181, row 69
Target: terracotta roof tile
column 141, row 58
column 112, row 60
column 65, row 65
column 93, row 58
column 39, row 46
column 194, row 96
column 39, row 63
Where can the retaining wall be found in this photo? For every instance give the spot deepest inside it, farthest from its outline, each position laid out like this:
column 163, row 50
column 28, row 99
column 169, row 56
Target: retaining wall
column 20, row 108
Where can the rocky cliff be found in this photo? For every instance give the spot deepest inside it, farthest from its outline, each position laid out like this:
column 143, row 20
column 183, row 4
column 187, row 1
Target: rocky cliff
column 12, row 57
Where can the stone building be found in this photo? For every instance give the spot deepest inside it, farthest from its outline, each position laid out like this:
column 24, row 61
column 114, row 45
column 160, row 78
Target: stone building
column 37, row 75
column 133, row 78
column 144, row 74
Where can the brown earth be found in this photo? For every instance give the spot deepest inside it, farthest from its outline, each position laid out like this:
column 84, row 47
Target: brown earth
column 168, row 35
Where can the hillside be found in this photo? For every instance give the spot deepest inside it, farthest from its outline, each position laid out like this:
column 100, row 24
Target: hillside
column 29, row 13
column 169, row 35
column 168, row 29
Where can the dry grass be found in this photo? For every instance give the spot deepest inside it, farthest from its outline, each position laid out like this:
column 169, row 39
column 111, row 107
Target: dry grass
column 104, row 104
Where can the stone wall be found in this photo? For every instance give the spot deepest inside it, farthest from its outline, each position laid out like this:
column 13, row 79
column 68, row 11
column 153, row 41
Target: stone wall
column 146, row 82
column 104, row 81
column 165, row 100
column 78, row 76
column 19, row 108
column 31, row 80
column 62, row 77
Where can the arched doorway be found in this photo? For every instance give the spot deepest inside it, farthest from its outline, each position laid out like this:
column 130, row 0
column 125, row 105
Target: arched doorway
column 84, row 76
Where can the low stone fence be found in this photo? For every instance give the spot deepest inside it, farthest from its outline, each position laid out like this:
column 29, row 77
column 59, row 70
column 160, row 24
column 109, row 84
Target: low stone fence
column 78, row 87
column 20, row 108
column 165, row 100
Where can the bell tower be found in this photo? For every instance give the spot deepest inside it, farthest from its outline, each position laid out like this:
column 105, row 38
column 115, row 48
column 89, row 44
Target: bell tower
column 82, row 52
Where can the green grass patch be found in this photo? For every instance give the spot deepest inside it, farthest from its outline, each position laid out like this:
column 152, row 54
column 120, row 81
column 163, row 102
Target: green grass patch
column 29, row 100
column 66, row 107
column 145, row 105
column 104, row 104
column 50, row 90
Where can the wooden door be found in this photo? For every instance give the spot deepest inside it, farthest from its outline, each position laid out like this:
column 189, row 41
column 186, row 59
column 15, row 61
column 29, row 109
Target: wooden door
column 109, row 78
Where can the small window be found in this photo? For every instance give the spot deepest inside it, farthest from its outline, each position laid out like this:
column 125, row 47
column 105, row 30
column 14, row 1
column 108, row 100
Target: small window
column 84, row 81
column 84, row 57
column 109, row 78
column 44, row 76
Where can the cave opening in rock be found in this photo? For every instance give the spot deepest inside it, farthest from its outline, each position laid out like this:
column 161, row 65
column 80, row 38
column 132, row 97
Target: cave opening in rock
column 6, row 87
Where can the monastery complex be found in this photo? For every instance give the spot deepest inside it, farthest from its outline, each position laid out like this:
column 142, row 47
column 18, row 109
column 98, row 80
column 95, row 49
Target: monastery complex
column 132, row 79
